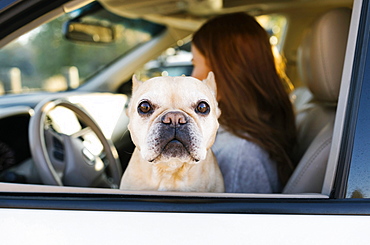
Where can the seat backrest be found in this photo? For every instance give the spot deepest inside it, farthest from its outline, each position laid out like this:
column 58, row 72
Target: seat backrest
column 309, row 175
column 320, row 63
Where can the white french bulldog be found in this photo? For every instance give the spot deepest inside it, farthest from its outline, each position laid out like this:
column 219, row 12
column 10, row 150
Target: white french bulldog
column 173, row 124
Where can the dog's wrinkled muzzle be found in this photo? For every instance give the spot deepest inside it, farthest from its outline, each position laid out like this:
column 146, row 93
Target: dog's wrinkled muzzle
column 175, row 138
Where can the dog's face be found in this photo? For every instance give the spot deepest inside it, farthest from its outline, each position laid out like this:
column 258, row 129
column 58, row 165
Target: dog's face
column 173, row 117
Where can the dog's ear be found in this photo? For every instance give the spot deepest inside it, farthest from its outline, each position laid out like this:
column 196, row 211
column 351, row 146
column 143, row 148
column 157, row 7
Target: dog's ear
column 211, row 83
column 135, row 83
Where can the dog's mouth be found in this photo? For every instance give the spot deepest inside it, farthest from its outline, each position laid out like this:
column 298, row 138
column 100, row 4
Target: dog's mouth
column 179, row 142
column 175, row 148
column 174, row 143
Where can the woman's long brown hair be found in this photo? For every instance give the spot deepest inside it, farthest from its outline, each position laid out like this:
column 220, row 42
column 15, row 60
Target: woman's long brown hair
column 252, row 97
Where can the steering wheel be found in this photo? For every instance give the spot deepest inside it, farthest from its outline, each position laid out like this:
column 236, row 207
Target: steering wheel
column 63, row 159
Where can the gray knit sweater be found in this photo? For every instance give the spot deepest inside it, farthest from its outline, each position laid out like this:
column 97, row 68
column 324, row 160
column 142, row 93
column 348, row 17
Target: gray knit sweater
column 245, row 166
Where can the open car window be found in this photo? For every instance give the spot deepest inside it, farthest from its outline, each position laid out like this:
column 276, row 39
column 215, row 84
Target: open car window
column 106, row 38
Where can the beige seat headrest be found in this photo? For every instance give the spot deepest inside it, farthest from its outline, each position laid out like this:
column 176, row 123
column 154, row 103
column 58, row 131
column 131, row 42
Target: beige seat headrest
column 321, row 54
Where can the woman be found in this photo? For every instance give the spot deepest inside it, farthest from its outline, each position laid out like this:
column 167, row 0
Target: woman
column 257, row 133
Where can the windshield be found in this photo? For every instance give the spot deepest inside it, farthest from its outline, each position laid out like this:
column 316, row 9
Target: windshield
column 58, row 56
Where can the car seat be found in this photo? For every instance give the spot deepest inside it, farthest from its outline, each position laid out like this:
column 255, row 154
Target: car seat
column 320, row 63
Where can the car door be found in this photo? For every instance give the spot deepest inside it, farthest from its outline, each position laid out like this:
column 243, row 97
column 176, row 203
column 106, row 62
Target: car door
column 339, row 215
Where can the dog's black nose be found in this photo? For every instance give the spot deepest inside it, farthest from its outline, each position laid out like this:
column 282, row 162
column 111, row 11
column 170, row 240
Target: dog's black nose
column 174, row 119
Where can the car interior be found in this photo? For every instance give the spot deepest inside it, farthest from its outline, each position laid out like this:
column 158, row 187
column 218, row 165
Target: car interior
column 314, row 45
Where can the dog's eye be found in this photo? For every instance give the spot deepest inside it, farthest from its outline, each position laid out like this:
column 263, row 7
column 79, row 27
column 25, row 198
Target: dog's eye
column 202, row 108
column 144, row 107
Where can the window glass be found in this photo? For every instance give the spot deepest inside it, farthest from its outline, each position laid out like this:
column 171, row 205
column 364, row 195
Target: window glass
column 359, row 175
column 44, row 59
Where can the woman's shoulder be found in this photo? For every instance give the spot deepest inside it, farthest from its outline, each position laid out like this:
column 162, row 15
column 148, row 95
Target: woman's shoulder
column 236, row 153
column 228, row 143
column 246, row 167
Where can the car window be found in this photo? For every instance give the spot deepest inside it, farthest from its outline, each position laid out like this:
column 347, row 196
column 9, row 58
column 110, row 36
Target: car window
column 61, row 63
column 44, row 59
column 359, row 174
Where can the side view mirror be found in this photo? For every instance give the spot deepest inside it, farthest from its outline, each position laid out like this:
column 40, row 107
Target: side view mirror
column 93, row 32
